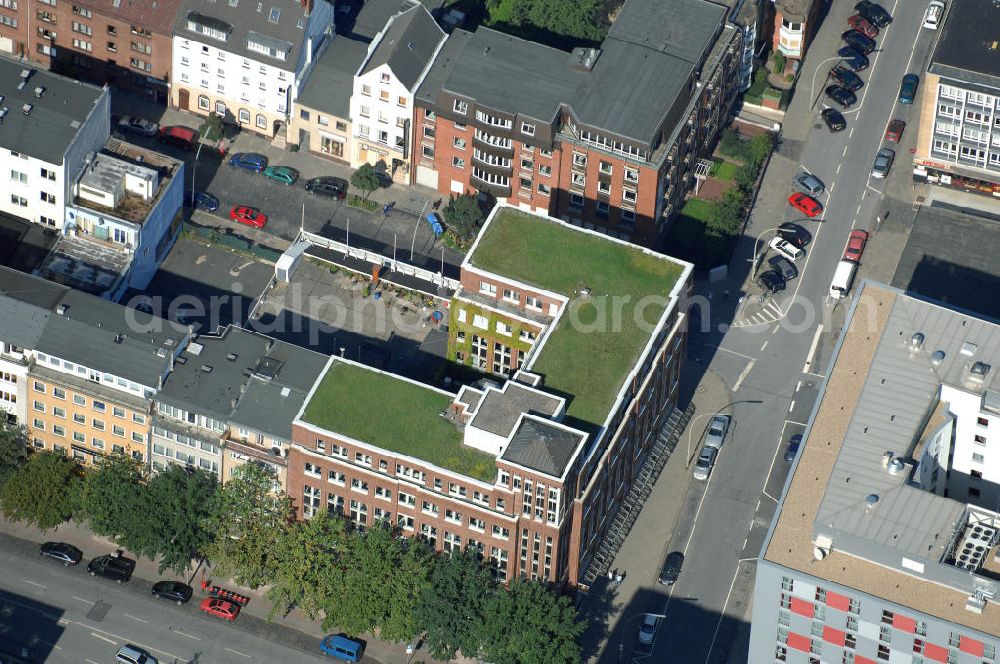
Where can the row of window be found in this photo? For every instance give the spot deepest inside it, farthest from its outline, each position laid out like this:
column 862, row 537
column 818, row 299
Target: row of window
column 59, row 430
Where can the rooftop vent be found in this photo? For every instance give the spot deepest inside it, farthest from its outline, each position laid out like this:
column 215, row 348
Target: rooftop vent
column 39, row 91
column 895, row 466
column 285, row 391
column 181, row 359
column 26, row 74
column 968, row 349
column 232, row 357
column 583, row 59
column 916, row 341
column 194, row 348
column 161, row 352
column 937, row 358
column 3, row 112
column 980, row 369
column 26, row 109
column 206, row 368
column 886, row 458
column 871, row 501
column 61, row 309
column 119, row 338
column 20, row 86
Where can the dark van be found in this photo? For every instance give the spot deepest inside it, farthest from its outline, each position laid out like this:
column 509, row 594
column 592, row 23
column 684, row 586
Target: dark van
column 179, row 136
column 342, row 648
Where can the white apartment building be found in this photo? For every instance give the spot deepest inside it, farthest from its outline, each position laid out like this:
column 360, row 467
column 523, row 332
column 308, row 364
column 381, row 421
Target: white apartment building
column 382, row 102
column 50, row 126
column 22, row 327
column 242, row 60
column 975, row 473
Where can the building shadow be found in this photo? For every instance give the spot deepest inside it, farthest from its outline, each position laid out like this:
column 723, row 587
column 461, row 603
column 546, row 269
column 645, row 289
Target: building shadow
column 29, row 630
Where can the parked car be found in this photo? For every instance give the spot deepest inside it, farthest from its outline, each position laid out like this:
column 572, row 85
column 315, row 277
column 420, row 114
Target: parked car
column 130, row 654
column 846, row 78
column 855, row 245
column 251, row 161
column 842, row 96
column 834, row 120
column 342, row 648
column 794, row 443
column 647, row 630
column 220, row 608
column 671, row 568
column 113, row 566
column 809, row 183
column 141, row 126
column 786, row 249
column 853, row 58
column 784, row 267
column 245, row 214
column 863, row 25
column 205, row 201
column 858, row 42
column 876, row 14
column 805, row 204
column 706, row 461
column 908, row 88
column 283, row 174
column 179, row 136
column 173, row 591
column 717, row 430
column 883, row 162
column 894, row 131
column 795, row 234
column 771, row 281
column 65, row 553
column 328, row 185
column 932, row 17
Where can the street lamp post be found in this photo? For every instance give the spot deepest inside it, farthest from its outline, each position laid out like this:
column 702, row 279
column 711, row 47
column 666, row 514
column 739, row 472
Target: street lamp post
column 728, row 405
column 194, row 171
column 621, row 641
column 812, row 87
column 756, row 258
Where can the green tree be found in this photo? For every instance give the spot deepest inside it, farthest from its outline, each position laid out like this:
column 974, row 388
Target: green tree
column 213, row 128
column 463, row 216
column 112, row 498
column 308, row 572
column 726, row 214
column 365, row 179
column 759, row 147
column 731, row 143
column 45, row 491
column 746, row 175
column 13, row 447
column 248, row 517
column 411, row 572
column 527, row 624
column 453, row 607
column 177, row 513
column 568, row 21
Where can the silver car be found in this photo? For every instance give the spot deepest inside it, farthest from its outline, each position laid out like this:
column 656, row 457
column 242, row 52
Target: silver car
column 883, row 162
column 647, row 631
column 717, row 430
column 140, row 126
column 706, row 461
column 809, row 183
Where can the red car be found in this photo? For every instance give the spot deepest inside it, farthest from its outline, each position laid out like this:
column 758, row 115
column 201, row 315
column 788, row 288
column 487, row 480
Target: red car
column 807, row 205
column 894, row 131
column 220, row 608
column 863, row 25
column 855, row 245
column 248, row 215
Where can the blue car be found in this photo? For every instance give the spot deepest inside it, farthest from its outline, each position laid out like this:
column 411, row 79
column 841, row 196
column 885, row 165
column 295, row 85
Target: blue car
column 249, row 160
column 853, row 58
column 206, row 202
column 342, row 648
column 908, row 88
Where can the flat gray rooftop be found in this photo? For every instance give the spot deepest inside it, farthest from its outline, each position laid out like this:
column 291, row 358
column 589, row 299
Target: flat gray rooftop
column 967, row 46
column 329, row 85
column 543, row 446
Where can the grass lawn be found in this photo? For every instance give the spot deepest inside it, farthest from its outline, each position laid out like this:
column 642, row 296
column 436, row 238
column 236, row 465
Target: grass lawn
column 696, row 208
column 724, row 170
column 396, row 415
column 584, row 358
column 687, row 238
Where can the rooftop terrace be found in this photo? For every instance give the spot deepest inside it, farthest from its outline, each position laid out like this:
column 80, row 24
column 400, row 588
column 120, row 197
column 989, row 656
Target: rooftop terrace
column 395, row 414
column 585, row 362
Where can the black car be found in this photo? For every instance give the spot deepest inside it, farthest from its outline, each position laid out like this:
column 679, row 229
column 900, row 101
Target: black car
column 328, row 185
column 841, row 95
column 847, row 78
column 834, row 120
column 114, row 567
column 784, row 267
column 793, row 447
column 857, row 41
column 174, row 591
column 771, row 281
column 65, row 553
column 795, row 234
column 205, row 201
column 671, row 568
column 876, row 14
column 853, row 58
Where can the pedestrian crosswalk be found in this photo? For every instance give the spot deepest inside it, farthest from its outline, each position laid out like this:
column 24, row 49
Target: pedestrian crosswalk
column 768, row 312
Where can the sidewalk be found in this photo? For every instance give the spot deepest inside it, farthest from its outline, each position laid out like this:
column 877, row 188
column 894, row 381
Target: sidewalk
column 293, row 630
column 604, row 605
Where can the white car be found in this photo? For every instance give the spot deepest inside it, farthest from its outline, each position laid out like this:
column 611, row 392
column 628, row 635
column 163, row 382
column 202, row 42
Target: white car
column 787, row 249
column 706, row 461
column 140, row 126
column 932, row 17
column 647, row 632
column 717, row 430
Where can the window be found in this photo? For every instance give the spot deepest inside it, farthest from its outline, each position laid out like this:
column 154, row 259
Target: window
column 579, row 180
column 527, row 129
column 488, row 288
column 461, row 106
column 359, row 485
column 576, row 200
column 39, row 406
column 579, row 159
column 544, row 170
column 977, row 458
column 511, row 295
column 458, row 162
column 18, row 176
column 383, row 95
column 982, row 421
column 59, row 412
column 459, row 143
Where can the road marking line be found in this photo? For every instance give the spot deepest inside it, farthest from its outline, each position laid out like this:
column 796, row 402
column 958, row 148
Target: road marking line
column 190, row 636
column 858, row 211
column 37, row 585
column 134, row 618
column 103, row 638
column 844, row 154
column 775, row 330
column 746, row 370
column 791, row 406
column 850, row 133
column 85, row 601
column 759, row 318
column 237, row 652
column 746, row 541
column 813, row 373
column 833, row 184
column 838, row 168
column 769, row 496
column 801, row 424
column 765, row 344
column 774, row 306
column 722, row 614
column 812, row 349
column 91, row 661
column 749, row 357
column 798, row 386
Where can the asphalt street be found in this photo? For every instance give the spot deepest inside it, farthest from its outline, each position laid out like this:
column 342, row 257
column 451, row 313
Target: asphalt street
column 64, row 616
column 776, row 352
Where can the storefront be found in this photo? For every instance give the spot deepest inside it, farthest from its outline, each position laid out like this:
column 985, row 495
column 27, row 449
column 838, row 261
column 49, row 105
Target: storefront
column 954, row 176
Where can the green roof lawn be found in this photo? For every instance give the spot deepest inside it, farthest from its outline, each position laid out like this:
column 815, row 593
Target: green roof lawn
column 588, row 366
column 396, row 415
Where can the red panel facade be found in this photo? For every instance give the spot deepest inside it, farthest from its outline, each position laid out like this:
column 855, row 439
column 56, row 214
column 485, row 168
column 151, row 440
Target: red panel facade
column 971, row 646
column 834, row 636
column 799, row 642
column 904, row 623
column 802, row 607
column 836, row 601
column 936, row 653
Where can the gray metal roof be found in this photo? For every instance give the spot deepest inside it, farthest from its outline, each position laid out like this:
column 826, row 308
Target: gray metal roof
column 33, row 290
column 51, row 126
column 269, row 408
column 407, row 46
column 374, row 16
column 331, row 80
column 542, row 446
column 967, row 46
column 247, row 18
column 499, row 410
column 448, row 58
column 900, row 391
column 21, row 323
column 682, row 28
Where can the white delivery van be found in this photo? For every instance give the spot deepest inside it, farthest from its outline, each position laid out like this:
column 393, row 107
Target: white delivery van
column 843, row 278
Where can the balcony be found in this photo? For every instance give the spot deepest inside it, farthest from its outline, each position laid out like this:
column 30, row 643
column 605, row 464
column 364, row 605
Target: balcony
column 497, row 145
column 497, row 189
